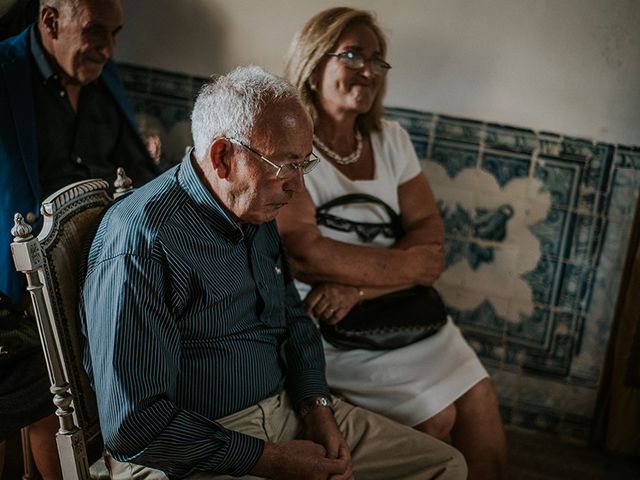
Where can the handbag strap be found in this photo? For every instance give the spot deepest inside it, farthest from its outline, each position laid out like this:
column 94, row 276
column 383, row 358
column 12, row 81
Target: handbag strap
column 366, row 231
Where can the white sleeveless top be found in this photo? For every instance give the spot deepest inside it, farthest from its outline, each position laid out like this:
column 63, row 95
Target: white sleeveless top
column 395, row 163
column 413, row 383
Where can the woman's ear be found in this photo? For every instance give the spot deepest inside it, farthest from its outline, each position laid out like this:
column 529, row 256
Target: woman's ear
column 314, row 79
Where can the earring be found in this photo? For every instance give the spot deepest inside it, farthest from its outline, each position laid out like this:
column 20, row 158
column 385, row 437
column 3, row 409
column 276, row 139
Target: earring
column 313, row 87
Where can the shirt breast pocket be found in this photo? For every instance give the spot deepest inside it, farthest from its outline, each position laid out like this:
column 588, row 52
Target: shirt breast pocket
column 271, row 286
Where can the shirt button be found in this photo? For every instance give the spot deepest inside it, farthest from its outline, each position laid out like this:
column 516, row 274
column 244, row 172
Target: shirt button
column 61, row 93
column 278, row 270
column 79, row 160
column 31, row 217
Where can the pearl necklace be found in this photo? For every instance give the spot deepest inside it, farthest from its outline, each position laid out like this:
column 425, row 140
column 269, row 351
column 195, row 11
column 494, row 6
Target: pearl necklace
column 339, row 159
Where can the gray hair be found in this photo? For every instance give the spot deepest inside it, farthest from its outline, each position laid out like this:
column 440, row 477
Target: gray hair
column 230, row 104
column 66, row 8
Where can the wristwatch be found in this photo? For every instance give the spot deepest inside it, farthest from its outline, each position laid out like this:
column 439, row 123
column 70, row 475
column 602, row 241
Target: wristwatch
column 310, row 403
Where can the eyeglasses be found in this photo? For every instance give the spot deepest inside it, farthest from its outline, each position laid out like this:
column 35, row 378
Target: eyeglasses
column 286, row 170
column 356, row 61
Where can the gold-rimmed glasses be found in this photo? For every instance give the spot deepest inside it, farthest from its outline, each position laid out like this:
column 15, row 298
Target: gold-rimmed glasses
column 286, row 170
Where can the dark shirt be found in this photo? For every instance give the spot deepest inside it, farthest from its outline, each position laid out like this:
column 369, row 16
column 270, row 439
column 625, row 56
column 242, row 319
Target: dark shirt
column 190, row 317
column 88, row 143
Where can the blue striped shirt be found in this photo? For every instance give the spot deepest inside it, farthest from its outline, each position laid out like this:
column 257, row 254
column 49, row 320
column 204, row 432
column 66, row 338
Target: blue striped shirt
column 190, row 317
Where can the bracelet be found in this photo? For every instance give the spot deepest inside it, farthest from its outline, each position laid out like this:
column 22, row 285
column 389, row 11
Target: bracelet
column 311, row 403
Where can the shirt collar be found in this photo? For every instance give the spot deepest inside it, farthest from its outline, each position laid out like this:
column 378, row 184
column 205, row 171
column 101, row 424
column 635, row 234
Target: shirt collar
column 208, row 205
column 39, row 55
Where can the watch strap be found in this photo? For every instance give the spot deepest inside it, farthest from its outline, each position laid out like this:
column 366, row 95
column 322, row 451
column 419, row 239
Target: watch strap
column 311, row 403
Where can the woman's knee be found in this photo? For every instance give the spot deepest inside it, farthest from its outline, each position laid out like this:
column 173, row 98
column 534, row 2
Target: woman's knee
column 480, row 399
column 440, row 425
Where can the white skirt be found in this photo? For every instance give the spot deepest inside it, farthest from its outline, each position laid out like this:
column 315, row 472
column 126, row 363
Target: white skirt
column 409, row 384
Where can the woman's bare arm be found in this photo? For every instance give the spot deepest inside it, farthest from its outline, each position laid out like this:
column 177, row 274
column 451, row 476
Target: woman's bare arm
column 315, row 258
column 421, row 222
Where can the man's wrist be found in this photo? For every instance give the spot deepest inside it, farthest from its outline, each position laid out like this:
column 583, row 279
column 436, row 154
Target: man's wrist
column 307, row 405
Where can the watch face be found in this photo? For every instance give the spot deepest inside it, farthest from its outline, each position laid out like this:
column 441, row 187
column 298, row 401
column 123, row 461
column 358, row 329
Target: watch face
column 310, row 403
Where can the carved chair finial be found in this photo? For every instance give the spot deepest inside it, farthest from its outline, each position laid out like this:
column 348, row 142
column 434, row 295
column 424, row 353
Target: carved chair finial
column 21, row 230
column 122, row 184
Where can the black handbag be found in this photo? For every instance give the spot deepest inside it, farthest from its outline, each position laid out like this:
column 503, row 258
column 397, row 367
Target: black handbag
column 390, row 321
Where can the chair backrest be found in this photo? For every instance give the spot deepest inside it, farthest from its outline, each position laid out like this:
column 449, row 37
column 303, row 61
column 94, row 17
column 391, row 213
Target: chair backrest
column 52, row 263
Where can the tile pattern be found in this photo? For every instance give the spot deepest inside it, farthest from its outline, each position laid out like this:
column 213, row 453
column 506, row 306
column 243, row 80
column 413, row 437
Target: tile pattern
column 162, row 103
column 536, row 228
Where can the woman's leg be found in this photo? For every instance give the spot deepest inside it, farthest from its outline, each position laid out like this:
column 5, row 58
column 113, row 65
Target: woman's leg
column 476, row 430
column 479, row 434
column 42, row 435
column 440, row 425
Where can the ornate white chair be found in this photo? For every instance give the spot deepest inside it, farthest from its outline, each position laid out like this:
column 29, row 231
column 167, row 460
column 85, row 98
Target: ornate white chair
column 52, row 263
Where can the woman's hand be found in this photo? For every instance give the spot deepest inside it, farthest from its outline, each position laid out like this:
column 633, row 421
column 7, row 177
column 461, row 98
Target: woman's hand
column 330, row 302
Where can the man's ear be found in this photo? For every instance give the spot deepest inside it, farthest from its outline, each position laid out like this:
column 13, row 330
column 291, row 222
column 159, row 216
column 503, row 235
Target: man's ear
column 220, row 157
column 49, row 17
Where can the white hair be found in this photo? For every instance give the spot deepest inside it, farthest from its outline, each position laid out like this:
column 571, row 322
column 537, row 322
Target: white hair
column 230, row 104
column 66, row 8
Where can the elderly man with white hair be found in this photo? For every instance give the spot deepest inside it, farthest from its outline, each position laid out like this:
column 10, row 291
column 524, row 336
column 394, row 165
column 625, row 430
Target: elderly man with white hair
column 204, row 361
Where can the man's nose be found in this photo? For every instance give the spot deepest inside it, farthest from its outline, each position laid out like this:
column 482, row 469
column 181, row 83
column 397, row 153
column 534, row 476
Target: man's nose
column 296, row 182
column 108, row 47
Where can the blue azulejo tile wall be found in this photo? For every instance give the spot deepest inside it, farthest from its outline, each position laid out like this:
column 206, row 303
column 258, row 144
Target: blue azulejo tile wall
column 536, row 224
column 162, row 102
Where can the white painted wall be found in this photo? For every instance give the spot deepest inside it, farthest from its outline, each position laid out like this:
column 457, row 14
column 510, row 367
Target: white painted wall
column 566, row 66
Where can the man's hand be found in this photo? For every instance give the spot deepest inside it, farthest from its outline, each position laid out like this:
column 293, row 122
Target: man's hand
column 321, row 427
column 301, row 460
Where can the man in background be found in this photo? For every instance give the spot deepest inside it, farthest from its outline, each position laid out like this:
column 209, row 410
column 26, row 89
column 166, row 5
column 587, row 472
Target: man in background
column 63, row 118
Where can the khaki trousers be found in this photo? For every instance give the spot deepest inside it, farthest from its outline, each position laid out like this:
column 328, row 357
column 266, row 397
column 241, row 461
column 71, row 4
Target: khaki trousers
column 381, row 449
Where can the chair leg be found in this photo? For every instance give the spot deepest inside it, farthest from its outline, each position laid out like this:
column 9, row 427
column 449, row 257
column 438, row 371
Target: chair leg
column 29, row 467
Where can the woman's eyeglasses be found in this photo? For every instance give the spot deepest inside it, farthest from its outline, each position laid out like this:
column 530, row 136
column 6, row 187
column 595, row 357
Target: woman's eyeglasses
column 356, row 61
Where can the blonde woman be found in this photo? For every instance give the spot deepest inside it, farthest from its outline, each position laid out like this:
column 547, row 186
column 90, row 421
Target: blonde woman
column 338, row 63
